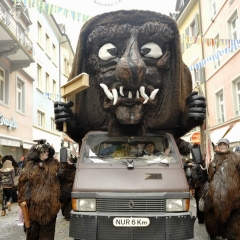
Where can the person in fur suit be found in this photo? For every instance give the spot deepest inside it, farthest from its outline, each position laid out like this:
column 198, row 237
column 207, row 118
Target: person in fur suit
column 221, row 194
column 66, row 175
column 39, row 186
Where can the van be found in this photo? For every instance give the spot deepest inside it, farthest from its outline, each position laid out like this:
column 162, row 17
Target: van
column 119, row 194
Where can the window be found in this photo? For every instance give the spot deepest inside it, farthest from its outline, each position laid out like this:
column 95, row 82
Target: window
column 53, row 126
column 20, row 96
column 41, row 119
column 2, row 84
column 233, row 26
column 54, row 90
column 54, row 53
column 198, row 75
column 39, row 33
column 216, row 50
column 194, row 27
column 236, row 96
column 220, row 107
column 47, row 44
column 66, row 67
column 39, row 76
column 191, row 32
column 47, row 85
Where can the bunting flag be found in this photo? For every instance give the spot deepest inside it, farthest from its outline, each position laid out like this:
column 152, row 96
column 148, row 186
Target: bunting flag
column 233, row 46
column 48, row 8
column 57, row 97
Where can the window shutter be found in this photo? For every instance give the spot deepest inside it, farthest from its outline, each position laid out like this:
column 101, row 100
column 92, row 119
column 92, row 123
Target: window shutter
column 196, row 25
column 187, row 37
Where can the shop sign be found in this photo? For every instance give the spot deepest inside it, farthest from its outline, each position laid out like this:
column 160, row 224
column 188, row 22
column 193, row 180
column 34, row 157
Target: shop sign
column 10, row 123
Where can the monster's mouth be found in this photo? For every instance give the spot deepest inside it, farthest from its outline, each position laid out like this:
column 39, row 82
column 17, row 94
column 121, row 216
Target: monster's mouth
column 117, row 94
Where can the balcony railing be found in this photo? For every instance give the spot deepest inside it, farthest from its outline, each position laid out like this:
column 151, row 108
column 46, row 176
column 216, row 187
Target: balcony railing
column 12, row 25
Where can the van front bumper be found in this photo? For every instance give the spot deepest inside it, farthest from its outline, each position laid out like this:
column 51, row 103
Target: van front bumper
column 163, row 226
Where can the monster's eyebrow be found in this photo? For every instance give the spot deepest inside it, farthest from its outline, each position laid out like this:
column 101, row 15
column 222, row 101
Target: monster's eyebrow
column 108, row 32
column 156, row 29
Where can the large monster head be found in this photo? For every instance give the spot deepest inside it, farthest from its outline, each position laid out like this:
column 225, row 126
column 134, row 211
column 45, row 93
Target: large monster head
column 138, row 81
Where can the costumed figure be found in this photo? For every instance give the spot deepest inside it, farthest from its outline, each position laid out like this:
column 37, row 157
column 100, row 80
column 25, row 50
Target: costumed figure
column 66, row 174
column 39, row 187
column 221, row 194
column 138, row 81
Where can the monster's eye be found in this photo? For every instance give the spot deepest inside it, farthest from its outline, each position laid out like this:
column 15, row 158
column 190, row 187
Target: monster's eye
column 107, row 51
column 151, row 50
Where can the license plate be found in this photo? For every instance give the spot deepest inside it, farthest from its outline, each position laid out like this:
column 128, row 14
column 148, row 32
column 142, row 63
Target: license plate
column 131, row 222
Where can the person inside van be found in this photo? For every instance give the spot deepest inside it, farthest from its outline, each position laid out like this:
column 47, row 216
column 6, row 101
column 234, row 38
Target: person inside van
column 149, row 149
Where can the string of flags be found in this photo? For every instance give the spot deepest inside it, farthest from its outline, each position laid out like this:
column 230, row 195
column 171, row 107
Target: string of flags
column 53, row 9
column 234, row 45
column 56, row 96
column 207, row 41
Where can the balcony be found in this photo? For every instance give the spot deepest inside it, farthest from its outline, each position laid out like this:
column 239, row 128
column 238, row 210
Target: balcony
column 14, row 43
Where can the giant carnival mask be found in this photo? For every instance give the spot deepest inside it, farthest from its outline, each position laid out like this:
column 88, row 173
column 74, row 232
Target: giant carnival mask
column 138, row 81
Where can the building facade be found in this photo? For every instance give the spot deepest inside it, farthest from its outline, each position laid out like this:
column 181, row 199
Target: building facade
column 16, row 93
column 211, row 51
column 31, row 81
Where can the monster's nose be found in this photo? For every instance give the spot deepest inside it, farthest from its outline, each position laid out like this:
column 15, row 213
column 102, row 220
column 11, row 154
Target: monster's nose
column 131, row 69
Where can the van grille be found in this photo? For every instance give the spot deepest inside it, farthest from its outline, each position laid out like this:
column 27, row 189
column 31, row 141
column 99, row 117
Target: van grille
column 131, row 205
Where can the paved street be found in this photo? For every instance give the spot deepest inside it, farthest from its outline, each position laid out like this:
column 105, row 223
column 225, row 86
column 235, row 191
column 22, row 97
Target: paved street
column 9, row 228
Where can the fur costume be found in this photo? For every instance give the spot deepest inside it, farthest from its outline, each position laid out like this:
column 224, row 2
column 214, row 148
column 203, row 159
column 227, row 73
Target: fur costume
column 66, row 174
column 39, row 186
column 138, row 81
column 221, row 200
column 199, row 177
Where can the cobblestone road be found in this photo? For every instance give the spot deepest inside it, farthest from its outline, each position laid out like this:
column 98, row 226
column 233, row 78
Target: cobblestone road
column 9, row 228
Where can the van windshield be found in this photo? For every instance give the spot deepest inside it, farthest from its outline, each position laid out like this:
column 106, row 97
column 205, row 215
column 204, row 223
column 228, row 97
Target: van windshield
column 100, row 148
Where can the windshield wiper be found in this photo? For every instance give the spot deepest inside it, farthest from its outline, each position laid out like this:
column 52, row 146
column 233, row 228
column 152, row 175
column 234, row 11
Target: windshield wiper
column 159, row 161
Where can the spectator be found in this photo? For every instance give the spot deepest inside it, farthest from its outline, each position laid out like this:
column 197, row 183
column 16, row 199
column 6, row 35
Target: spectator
column 20, row 163
column 7, row 175
column 237, row 149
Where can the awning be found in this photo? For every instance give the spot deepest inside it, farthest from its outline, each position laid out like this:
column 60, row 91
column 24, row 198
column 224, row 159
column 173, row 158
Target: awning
column 233, row 135
column 217, row 134
column 10, row 141
column 27, row 144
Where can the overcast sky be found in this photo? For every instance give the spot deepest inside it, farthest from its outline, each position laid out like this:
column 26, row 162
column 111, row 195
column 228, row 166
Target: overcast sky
column 94, row 7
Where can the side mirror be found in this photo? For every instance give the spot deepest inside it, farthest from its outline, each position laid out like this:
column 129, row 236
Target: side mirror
column 63, row 155
column 197, row 155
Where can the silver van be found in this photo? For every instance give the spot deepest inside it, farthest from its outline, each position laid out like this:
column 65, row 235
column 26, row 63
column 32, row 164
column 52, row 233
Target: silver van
column 119, row 193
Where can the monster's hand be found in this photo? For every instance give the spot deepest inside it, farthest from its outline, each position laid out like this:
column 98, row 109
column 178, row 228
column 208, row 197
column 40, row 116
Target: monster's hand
column 63, row 113
column 196, row 106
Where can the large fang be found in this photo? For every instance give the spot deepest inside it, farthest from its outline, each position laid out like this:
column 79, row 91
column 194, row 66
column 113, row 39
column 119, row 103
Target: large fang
column 121, row 90
column 153, row 94
column 143, row 94
column 137, row 94
column 115, row 96
column 129, row 94
column 107, row 92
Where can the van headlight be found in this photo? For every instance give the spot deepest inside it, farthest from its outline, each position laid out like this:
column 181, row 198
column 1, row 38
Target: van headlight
column 177, row 205
column 84, row 204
